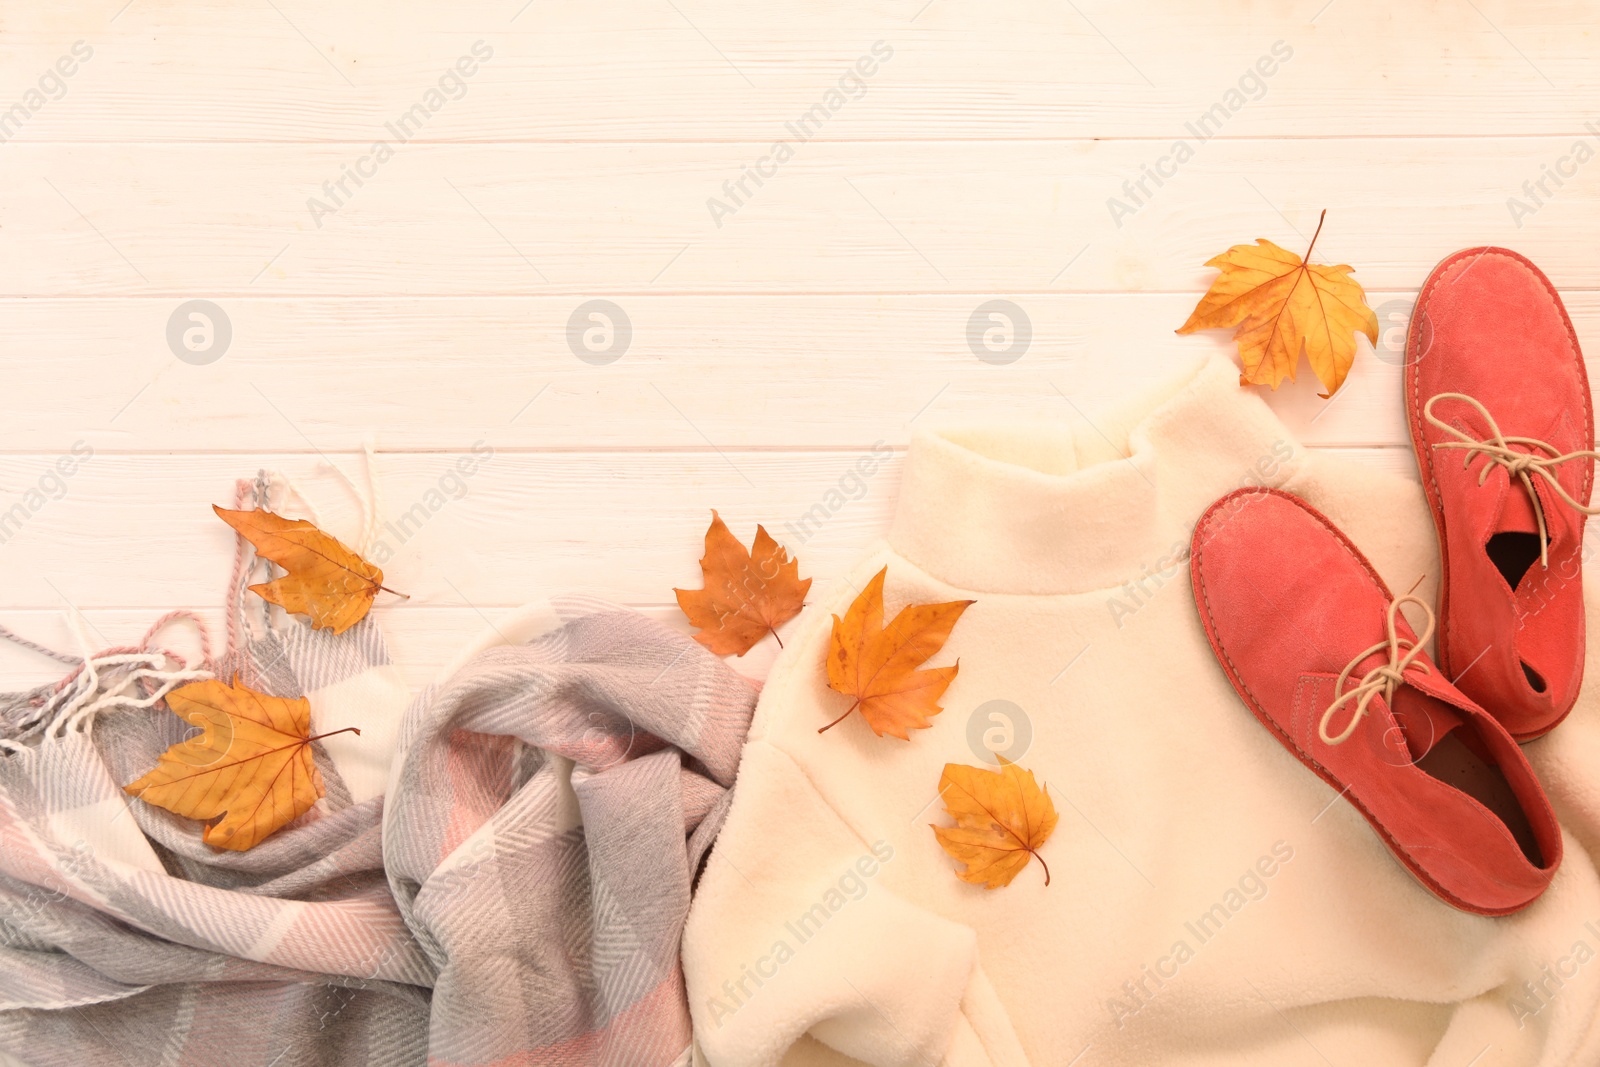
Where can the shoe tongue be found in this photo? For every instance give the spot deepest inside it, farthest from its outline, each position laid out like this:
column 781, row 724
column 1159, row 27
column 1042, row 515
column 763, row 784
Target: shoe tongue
column 1424, row 720
column 1516, row 513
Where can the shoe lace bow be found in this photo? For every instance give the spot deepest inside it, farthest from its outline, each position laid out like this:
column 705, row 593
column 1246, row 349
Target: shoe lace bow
column 1384, row 678
column 1521, row 464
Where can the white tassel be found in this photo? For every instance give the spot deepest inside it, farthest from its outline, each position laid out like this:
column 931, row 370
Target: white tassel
column 82, row 703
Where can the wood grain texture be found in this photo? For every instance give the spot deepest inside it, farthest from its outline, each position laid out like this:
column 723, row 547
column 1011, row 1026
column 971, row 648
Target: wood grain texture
column 878, row 217
column 425, row 632
column 720, row 69
column 997, row 153
column 749, row 371
column 422, row 643
column 626, row 526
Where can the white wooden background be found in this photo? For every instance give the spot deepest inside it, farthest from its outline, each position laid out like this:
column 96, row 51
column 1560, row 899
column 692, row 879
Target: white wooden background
column 828, row 313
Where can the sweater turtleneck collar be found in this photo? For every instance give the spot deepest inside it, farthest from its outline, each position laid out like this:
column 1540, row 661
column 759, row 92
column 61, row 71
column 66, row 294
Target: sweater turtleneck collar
column 1049, row 508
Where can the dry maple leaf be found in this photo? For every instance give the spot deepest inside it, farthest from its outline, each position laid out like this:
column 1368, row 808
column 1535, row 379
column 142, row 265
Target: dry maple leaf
column 1002, row 818
column 251, row 764
column 878, row 666
column 1282, row 304
column 327, row 582
column 747, row 594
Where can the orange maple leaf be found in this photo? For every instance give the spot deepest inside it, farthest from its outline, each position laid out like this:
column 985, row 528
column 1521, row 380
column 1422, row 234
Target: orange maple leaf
column 1282, row 304
column 877, row 665
column 251, row 764
column 1002, row 818
column 747, row 595
column 327, row 582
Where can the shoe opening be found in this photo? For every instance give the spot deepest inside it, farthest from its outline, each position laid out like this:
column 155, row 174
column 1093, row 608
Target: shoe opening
column 1512, row 554
column 1454, row 763
column 1535, row 679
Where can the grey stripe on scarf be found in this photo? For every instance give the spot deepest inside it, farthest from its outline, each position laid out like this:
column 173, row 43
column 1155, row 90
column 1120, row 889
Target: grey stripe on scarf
column 523, row 903
column 549, row 808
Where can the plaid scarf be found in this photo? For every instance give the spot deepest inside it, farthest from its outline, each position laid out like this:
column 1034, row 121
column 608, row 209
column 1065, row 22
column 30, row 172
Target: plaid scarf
column 498, row 874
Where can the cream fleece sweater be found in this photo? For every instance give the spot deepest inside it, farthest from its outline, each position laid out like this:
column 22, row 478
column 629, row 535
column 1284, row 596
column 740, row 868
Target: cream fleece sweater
column 1212, row 902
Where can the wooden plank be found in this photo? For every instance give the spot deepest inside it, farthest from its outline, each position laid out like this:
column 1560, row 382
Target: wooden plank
column 725, row 371
column 626, row 526
column 458, row 530
column 422, row 642
column 735, row 371
column 423, row 636
column 720, row 69
column 600, row 220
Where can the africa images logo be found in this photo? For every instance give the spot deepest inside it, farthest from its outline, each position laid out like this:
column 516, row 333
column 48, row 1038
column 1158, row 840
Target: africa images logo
column 452, row 85
column 852, row 85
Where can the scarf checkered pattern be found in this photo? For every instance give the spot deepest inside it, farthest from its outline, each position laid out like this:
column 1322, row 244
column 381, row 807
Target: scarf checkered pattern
column 515, row 895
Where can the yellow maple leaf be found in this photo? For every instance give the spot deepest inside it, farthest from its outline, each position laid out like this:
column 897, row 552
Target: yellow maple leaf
column 1282, row 304
column 251, row 764
column 327, row 582
column 1002, row 818
column 878, row 665
column 748, row 593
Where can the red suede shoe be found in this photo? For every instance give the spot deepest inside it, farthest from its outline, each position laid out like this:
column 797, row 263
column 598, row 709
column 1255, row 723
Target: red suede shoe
column 1315, row 644
column 1498, row 403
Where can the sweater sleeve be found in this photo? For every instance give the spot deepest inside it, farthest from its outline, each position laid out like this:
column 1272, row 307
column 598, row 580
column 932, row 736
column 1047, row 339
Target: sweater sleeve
column 793, row 933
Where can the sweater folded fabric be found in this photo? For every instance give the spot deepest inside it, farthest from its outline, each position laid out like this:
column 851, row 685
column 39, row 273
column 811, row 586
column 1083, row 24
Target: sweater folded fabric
column 1212, row 902
column 515, row 894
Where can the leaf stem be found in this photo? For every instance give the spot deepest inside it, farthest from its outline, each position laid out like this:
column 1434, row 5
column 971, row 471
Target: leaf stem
column 347, row 730
column 402, row 596
column 775, row 636
column 1043, row 864
column 840, row 719
column 1307, row 257
column 212, row 768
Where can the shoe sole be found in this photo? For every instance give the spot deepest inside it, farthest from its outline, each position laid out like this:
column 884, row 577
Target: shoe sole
column 1420, row 450
column 1343, row 789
